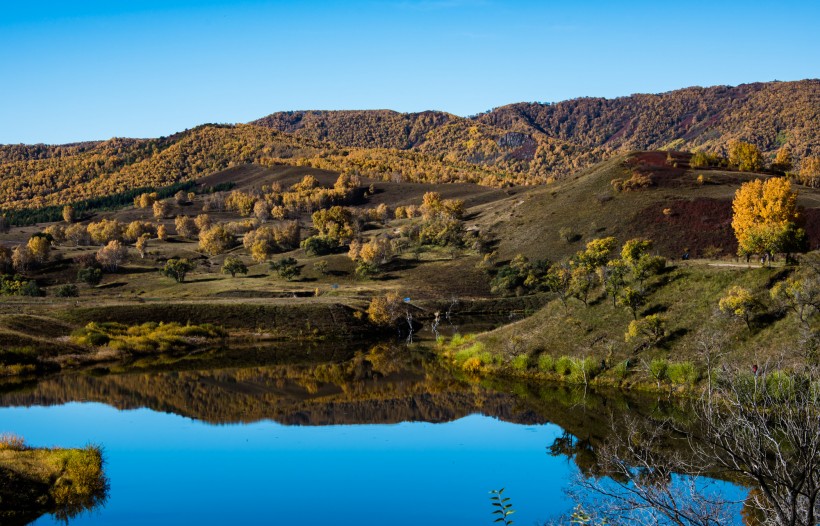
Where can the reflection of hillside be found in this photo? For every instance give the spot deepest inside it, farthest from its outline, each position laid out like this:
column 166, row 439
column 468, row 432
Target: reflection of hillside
column 379, row 386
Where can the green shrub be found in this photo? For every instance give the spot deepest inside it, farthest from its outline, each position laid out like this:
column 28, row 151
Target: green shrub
column 546, row 363
column 780, row 385
column 67, row 291
column 462, row 355
column 319, row 245
column 584, row 369
column 658, row 369
column 90, row 276
column 563, row 365
column 458, row 340
column 621, row 369
column 521, row 362
column 30, row 288
column 682, row 373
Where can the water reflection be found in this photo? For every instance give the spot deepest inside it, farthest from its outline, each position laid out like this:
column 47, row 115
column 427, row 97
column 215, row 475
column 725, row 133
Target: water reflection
column 241, row 389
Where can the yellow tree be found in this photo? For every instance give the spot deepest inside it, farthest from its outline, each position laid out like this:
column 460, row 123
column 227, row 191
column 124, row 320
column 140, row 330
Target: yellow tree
column 783, row 161
column 810, row 172
column 745, row 156
column 68, row 214
column 764, row 217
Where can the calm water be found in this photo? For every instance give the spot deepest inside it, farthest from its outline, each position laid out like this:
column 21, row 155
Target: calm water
column 376, row 436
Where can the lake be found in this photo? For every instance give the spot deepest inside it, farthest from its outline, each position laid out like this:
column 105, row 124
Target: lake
column 375, row 435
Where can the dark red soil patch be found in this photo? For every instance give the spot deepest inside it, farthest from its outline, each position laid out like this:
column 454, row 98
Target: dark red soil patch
column 811, row 222
column 693, row 226
column 662, row 171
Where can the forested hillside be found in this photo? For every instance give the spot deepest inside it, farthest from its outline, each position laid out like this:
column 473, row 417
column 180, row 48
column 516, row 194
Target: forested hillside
column 519, row 144
column 552, row 140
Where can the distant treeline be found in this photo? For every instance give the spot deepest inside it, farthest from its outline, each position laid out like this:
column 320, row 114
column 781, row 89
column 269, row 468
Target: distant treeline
column 48, row 214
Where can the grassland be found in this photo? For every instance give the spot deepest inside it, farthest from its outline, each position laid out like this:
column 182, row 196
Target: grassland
column 681, row 209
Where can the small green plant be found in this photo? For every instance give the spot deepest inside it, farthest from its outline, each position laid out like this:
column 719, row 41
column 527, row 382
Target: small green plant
column 546, row 363
column 67, row 291
column 657, row 370
column 780, row 385
column 563, row 365
column 682, row 373
column 621, row 369
column 521, row 362
column 503, row 507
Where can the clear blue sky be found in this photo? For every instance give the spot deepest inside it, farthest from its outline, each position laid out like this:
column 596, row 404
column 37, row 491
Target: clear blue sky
column 89, row 69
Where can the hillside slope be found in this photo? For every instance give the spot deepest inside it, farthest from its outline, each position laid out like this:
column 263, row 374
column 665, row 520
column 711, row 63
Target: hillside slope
column 553, row 140
column 676, row 211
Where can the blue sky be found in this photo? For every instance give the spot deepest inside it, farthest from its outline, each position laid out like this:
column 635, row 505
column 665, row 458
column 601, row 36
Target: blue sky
column 85, row 70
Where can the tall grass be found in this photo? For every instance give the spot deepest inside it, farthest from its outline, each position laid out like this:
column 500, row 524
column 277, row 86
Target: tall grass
column 146, row 338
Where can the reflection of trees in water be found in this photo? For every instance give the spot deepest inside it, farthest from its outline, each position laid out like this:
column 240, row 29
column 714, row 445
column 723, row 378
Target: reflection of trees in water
column 760, row 431
column 379, row 384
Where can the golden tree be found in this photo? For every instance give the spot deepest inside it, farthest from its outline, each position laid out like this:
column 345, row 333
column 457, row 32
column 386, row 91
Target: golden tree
column 68, row 214
column 161, row 209
column 764, row 217
column 783, row 161
column 745, row 156
column 112, row 255
column 810, row 172
column 186, row 227
column 215, row 240
column 40, row 248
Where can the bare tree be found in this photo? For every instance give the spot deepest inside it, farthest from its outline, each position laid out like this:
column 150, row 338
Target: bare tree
column 762, row 430
column 634, row 484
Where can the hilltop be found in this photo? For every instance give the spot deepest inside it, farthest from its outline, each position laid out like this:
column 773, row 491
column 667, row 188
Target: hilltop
column 543, row 140
column 517, row 144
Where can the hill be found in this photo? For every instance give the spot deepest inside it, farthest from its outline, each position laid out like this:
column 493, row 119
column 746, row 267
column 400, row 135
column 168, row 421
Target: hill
column 544, row 140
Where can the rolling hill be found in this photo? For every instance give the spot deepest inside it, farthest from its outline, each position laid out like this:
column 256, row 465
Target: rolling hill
column 545, row 140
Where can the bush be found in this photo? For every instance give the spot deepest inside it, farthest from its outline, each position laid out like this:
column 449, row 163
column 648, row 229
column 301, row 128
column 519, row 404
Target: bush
column 546, row 364
column 682, row 373
column 521, row 362
column 658, row 369
column 233, row 266
column 177, row 269
column 583, row 370
column 145, row 338
column 319, row 245
column 563, row 365
column 472, row 365
column 462, row 355
column 91, row 276
column 286, row 268
column 780, row 385
column 67, row 291
column 621, row 369
column 30, row 288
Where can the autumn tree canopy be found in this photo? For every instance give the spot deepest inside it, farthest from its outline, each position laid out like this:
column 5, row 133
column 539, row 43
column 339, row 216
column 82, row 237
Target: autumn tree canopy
column 765, row 216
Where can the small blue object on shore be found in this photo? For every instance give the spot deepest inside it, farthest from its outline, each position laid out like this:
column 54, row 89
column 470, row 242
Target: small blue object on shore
column 407, row 300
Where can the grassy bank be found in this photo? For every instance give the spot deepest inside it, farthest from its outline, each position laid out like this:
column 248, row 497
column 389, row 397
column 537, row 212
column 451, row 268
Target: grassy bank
column 36, row 481
column 591, row 344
